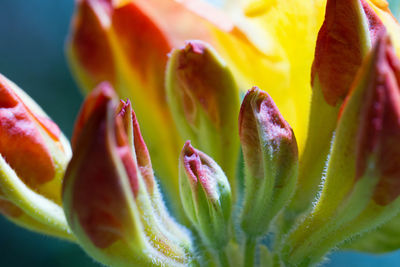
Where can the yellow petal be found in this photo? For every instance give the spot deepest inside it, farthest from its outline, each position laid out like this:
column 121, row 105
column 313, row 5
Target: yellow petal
column 273, row 48
column 381, row 8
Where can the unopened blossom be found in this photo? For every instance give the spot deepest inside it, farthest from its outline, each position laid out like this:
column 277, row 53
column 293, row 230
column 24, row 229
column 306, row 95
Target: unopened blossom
column 33, row 157
column 110, row 197
column 361, row 186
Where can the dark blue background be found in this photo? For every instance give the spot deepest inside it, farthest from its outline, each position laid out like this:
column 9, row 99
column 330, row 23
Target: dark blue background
column 32, row 35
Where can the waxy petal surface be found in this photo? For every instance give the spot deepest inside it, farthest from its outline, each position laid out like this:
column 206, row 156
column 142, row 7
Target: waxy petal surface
column 349, row 29
column 379, row 133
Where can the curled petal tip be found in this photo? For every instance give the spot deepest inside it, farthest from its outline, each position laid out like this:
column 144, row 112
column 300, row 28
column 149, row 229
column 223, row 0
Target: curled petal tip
column 204, row 186
column 198, row 168
column 191, row 161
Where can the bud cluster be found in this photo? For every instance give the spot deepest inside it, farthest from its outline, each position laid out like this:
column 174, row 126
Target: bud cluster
column 243, row 188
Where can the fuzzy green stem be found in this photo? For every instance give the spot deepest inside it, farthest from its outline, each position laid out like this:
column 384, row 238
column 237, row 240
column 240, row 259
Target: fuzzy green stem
column 249, row 253
column 223, row 258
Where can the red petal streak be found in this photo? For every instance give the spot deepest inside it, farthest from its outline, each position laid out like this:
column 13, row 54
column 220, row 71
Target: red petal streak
column 192, row 164
column 125, row 154
column 21, row 143
column 90, row 42
column 379, row 134
column 338, row 53
column 98, row 199
column 200, row 82
column 198, row 168
column 144, row 45
column 142, row 154
column 248, row 133
column 96, row 99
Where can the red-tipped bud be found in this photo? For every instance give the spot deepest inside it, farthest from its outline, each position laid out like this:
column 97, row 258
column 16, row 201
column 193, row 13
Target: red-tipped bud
column 361, row 188
column 108, row 198
column 30, row 142
column 349, row 30
column 270, row 155
column 205, row 195
column 203, row 96
column 379, row 132
column 33, row 157
column 135, row 139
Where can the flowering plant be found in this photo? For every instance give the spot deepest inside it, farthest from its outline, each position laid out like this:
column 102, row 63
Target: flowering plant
column 280, row 200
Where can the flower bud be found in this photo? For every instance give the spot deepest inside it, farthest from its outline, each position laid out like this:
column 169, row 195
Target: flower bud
column 109, row 187
column 361, row 189
column 203, row 96
column 34, row 154
column 142, row 157
column 122, row 42
column 205, row 195
column 346, row 36
column 270, row 155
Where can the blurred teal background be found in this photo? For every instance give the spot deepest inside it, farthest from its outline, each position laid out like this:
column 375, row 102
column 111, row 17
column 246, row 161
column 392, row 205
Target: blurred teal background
column 32, row 36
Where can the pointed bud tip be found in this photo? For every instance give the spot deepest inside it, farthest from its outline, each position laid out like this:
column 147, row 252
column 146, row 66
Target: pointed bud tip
column 261, row 123
column 199, row 78
column 197, row 47
column 191, row 162
column 132, row 132
column 259, row 104
column 342, row 42
column 124, row 107
column 379, row 132
column 202, row 170
column 205, row 195
column 96, row 100
column 93, row 197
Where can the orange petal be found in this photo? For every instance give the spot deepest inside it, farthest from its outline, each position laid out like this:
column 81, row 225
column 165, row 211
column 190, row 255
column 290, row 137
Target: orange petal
column 144, row 46
column 89, row 42
column 21, row 141
column 184, row 20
